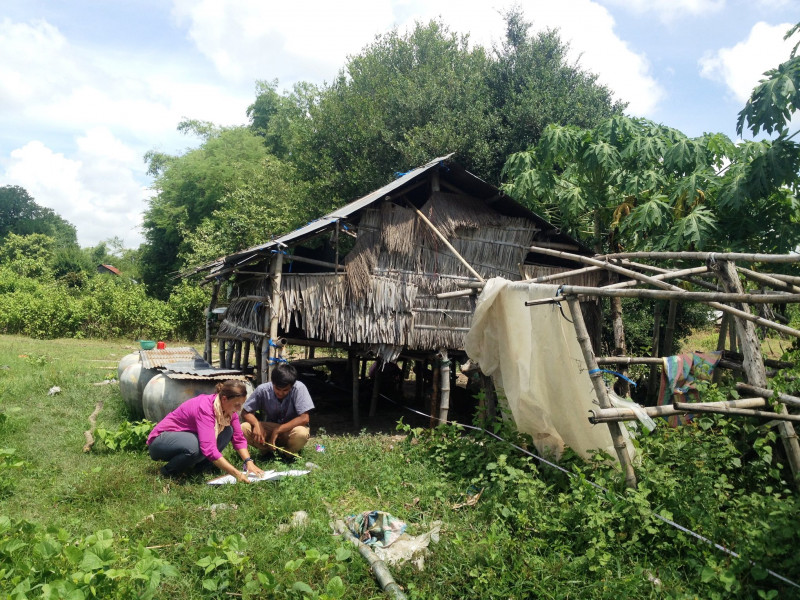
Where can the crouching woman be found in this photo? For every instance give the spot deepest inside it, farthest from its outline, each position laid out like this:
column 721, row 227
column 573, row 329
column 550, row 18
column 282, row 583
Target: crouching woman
column 199, row 429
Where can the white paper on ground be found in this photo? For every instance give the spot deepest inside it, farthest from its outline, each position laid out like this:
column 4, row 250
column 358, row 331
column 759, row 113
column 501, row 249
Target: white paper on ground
column 267, row 476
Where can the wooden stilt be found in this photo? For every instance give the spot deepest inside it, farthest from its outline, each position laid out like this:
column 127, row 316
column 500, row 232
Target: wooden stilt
column 490, row 396
column 222, row 344
column 600, row 390
column 237, row 355
column 229, row 350
column 622, row 386
column 210, row 316
column 376, row 387
column 274, row 311
column 652, row 386
column 444, row 386
column 419, row 382
column 434, row 405
column 246, row 355
column 669, row 332
column 753, row 362
column 354, row 372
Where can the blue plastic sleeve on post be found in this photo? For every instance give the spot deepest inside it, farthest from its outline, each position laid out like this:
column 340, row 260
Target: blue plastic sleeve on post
column 620, row 375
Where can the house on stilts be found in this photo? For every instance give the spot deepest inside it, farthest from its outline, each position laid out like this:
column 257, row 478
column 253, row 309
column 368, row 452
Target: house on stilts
column 390, row 275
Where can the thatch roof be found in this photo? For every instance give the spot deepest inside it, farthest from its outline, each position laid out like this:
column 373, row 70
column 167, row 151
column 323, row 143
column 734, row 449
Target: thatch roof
column 385, row 298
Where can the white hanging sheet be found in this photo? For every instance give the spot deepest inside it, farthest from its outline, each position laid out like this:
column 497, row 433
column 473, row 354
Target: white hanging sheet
column 533, row 355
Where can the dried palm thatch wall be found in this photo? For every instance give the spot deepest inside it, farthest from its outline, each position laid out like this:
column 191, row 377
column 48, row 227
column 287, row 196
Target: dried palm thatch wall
column 386, row 299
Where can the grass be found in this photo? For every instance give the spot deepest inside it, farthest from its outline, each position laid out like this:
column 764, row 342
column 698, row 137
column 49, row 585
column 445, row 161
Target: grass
column 533, row 533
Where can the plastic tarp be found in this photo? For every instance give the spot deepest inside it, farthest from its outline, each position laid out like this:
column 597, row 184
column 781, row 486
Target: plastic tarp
column 533, row 355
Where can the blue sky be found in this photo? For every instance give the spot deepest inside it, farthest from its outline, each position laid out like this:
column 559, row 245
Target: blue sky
column 88, row 86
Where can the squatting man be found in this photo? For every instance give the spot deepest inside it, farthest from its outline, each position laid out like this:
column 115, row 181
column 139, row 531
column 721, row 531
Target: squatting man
column 283, row 405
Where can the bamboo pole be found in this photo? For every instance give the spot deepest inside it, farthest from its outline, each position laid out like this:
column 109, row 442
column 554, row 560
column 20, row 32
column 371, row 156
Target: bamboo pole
column 768, row 280
column 704, row 256
column 564, row 275
column 660, row 277
column 600, row 389
column 662, row 285
column 678, row 294
column 669, row 332
column 693, row 280
column 603, row 415
column 379, row 568
column 629, row 360
column 276, row 272
column 444, row 386
column 753, row 363
column 743, row 412
column 446, row 243
column 652, row 391
column 767, row 393
column 788, row 278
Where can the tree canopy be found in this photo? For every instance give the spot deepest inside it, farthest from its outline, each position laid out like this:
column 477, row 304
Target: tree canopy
column 633, row 183
column 20, row 214
column 401, row 101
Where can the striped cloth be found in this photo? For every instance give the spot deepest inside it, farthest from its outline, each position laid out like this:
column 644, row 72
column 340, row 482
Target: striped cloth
column 678, row 376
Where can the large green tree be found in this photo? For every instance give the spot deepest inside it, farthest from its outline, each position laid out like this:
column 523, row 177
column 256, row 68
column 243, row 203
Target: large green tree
column 189, row 189
column 20, row 214
column 407, row 98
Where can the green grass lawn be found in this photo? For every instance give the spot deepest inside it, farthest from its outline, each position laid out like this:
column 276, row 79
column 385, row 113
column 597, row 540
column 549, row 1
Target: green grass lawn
column 534, row 533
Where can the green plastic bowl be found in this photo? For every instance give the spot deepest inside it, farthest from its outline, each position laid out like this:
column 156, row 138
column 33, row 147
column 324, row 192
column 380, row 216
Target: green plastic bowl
column 147, row 344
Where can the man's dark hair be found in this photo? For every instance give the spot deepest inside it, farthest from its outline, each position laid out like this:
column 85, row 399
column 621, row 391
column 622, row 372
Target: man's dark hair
column 284, row 375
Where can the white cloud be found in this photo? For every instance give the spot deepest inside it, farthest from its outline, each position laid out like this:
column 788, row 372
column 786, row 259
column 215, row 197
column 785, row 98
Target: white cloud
column 672, row 10
column 96, row 190
column 602, row 52
column 252, row 39
column 741, row 67
column 257, row 40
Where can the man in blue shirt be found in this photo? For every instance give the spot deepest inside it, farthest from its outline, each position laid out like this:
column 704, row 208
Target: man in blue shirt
column 283, row 404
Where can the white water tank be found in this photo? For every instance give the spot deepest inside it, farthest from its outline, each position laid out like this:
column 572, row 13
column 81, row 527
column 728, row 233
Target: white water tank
column 162, row 395
column 126, row 361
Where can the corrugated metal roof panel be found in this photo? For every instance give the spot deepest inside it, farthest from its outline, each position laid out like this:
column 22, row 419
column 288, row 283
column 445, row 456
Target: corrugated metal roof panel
column 161, row 358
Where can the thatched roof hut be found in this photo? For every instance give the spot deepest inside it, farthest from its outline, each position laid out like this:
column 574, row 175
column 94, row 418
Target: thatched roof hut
column 368, row 276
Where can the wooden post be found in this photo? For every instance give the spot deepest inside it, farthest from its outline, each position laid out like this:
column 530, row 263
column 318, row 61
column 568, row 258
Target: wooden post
column 490, row 394
column 723, row 335
column 221, row 344
column 623, row 387
column 376, row 387
column 276, row 271
column 229, row 351
column 419, row 381
column 600, row 390
column 209, row 316
column 246, row 355
column 444, row 387
column 669, row 332
column 353, row 357
column 434, row 407
column 652, row 389
column 753, row 363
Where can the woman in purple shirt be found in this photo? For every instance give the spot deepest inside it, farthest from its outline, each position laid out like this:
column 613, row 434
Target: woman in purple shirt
column 199, row 429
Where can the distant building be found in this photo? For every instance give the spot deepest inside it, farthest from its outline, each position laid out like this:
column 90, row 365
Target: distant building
column 109, row 269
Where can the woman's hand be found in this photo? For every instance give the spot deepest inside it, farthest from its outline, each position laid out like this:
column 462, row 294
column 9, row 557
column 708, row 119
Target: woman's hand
column 252, row 468
column 242, row 477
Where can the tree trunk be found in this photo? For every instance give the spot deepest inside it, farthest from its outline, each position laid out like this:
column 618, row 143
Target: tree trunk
column 753, row 362
column 621, row 386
